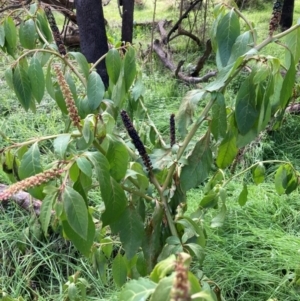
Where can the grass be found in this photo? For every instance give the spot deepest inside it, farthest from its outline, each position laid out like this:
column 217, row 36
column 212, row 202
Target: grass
column 253, row 257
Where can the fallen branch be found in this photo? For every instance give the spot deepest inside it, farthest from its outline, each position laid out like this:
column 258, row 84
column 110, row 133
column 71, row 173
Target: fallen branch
column 203, row 58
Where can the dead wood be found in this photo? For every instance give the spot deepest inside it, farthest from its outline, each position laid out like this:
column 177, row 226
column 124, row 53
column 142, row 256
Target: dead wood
column 183, row 32
column 203, row 58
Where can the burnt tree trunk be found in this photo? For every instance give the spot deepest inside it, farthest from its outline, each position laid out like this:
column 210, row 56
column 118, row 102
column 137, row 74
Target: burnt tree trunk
column 286, row 20
column 127, row 20
column 92, row 33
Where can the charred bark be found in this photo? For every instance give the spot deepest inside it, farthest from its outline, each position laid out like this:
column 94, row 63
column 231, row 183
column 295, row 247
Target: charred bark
column 127, row 20
column 286, row 20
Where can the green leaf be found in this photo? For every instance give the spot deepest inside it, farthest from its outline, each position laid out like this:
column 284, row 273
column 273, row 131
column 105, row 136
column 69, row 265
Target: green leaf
column 187, row 109
column 241, row 46
column 258, row 173
column 163, row 268
column 76, row 211
column 2, row 36
column 30, row 164
column 37, row 81
column 59, row 99
column 129, row 67
column 49, row 84
column 209, row 201
column 219, row 118
column 82, row 62
column 245, row 108
column 286, row 180
column 137, row 290
column 292, row 40
column 82, row 245
column 46, row 211
column 131, row 229
column 84, row 165
column 199, row 164
column 243, row 195
column 119, row 92
column 219, row 219
column 95, row 90
column 227, row 151
column 227, row 32
column 27, row 34
column 117, row 156
column 196, row 250
column 119, row 270
column 10, row 32
column 113, row 64
column 163, row 290
column 22, row 86
column 9, row 77
column 60, row 145
column 43, row 25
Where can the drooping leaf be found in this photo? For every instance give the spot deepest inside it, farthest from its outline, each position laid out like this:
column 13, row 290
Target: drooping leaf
column 286, row 180
column 49, row 84
column 209, row 201
column 43, row 26
column 95, row 90
column 227, row 151
column 242, row 44
column 2, row 36
column 9, row 77
column 219, row 118
column 113, row 64
column 46, row 211
column 131, row 230
column 246, row 112
column 129, row 67
column 199, row 164
column 27, row 34
column 137, row 290
column 163, row 290
column 258, row 173
column 22, row 86
column 219, row 219
column 119, row 270
column 84, row 165
column 10, row 32
column 76, row 211
column 31, row 163
column 117, row 156
column 37, row 81
column 60, row 145
column 119, row 91
column 82, row 245
column 292, row 40
column 163, row 268
column 243, row 195
column 82, row 62
column 227, row 32
column 59, row 99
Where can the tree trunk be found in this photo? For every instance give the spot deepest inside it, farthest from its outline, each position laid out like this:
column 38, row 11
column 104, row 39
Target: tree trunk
column 286, row 20
column 93, row 39
column 127, row 20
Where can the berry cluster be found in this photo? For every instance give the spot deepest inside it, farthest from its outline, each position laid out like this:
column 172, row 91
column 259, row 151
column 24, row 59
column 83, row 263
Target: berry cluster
column 70, row 103
column 60, row 45
column 172, row 130
column 30, row 182
column 276, row 16
column 136, row 139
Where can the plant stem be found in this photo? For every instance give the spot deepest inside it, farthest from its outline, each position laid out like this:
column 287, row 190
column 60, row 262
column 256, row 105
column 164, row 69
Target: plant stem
column 138, row 193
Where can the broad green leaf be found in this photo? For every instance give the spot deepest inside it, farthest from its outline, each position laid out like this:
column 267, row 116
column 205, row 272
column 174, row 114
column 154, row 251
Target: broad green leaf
column 100, row 264
column 187, row 109
column 22, row 86
column 209, row 201
column 292, row 40
column 137, row 290
column 227, row 151
column 76, row 211
column 82, row 62
column 243, row 195
column 88, row 129
column 27, row 34
column 163, row 290
column 219, row 118
column 49, row 84
column 84, row 165
column 82, row 245
column 60, row 145
column 288, row 84
column 95, row 90
column 46, row 211
column 43, row 25
column 129, row 68
column 117, row 156
column 9, row 77
column 136, row 172
column 131, row 230
column 37, row 81
column 30, row 164
column 258, row 173
column 227, row 32
column 242, row 45
column 2, row 36
column 219, row 219
column 199, row 164
column 119, row 92
column 59, row 99
column 10, row 32
column 245, row 108
column 286, row 180
column 72, row 85
column 141, row 264
column 139, row 89
column 107, row 245
column 113, row 64
column 163, row 268
column 116, row 205
column 196, row 250
column 119, row 270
